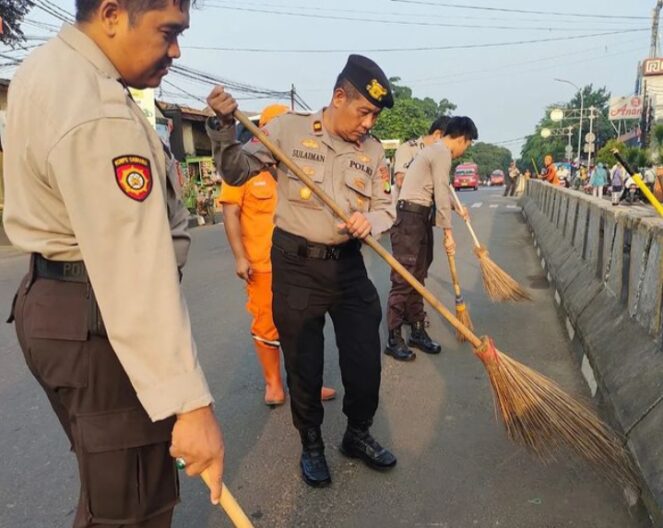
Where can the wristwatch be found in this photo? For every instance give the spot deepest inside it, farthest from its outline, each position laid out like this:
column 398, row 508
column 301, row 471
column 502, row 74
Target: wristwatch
column 214, row 123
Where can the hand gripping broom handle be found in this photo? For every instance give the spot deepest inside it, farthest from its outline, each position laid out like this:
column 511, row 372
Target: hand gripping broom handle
column 469, row 224
column 230, row 506
column 369, row 241
column 638, row 181
column 454, row 276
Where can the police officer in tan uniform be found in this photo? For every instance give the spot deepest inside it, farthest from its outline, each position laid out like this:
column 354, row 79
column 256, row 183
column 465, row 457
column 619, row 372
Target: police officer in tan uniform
column 316, row 261
column 407, row 151
column 424, row 201
column 92, row 194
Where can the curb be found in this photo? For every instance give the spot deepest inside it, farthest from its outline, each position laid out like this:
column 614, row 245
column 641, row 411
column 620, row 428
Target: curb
column 619, row 358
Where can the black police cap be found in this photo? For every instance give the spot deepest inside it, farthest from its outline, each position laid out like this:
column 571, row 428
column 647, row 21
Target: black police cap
column 369, row 79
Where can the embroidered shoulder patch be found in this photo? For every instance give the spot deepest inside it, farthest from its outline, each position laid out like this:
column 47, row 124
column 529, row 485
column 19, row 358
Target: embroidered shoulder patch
column 134, row 176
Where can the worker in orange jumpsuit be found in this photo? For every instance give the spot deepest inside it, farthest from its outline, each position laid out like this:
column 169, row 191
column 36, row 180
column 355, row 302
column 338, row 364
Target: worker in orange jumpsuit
column 551, row 170
column 248, row 212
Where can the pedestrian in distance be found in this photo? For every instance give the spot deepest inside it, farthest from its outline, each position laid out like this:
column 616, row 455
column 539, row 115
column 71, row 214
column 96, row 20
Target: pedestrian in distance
column 210, row 209
column 94, row 198
column 598, row 180
column 407, row 151
column 522, row 182
column 425, row 201
column 512, row 177
column 616, row 183
column 248, row 212
column 316, row 262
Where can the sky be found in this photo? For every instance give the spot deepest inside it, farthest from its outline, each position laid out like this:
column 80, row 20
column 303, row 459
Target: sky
column 505, row 89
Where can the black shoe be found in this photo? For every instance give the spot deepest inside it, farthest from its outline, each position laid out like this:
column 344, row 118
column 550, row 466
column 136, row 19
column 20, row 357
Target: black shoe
column 420, row 339
column 397, row 348
column 315, row 471
column 358, row 443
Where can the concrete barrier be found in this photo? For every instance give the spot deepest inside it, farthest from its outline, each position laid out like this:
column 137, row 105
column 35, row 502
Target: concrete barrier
column 606, row 266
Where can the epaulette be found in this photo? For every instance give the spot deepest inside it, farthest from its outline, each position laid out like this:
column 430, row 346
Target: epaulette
column 412, row 142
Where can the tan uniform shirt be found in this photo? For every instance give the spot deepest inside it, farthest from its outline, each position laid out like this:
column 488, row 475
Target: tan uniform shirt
column 353, row 175
column 87, row 178
column 405, row 153
column 427, row 181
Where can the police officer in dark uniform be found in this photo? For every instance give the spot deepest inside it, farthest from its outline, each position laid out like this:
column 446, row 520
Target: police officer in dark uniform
column 317, row 265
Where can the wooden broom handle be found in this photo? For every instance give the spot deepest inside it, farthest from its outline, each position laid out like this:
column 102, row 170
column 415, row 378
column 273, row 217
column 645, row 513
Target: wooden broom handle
column 231, row 506
column 454, row 274
column 369, row 240
column 469, row 224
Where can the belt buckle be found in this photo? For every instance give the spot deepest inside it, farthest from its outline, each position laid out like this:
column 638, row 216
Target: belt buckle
column 334, row 252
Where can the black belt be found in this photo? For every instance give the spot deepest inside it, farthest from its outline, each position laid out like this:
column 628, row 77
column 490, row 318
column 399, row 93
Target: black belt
column 409, row 207
column 297, row 245
column 73, row 271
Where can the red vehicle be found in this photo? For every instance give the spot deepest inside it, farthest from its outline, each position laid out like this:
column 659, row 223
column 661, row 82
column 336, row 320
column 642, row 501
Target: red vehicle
column 466, row 176
column 497, row 177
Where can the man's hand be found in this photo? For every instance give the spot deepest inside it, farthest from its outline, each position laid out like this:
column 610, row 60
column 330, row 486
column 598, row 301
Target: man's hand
column 223, row 104
column 357, row 226
column 243, row 269
column 197, row 439
column 463, row 212
column 449, row 242
column 398, row 180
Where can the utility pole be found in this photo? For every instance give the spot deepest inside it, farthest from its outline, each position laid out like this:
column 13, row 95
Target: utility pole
column 293, row 91
column 653, row 50
column 591, row 138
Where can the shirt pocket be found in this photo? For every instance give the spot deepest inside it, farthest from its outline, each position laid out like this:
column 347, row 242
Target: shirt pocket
column 263, row 197
column 358, row 187
column 300, row 194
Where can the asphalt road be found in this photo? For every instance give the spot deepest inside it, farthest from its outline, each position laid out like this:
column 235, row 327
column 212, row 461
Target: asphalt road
column 456, row 468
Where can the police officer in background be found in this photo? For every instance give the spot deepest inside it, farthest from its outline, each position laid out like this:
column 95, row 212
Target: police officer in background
column 424, row 201
column 407, row 151
column 316, row 262
column 93, row 195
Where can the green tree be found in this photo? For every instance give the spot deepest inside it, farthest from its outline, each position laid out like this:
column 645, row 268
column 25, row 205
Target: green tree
column 410, row 117
column 536, row 147
column 488, row 157
column 12, row 13
column 605, row 155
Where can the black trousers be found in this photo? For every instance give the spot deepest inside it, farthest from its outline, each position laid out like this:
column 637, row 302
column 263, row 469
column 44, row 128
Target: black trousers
column 412, row 246
column 128, row 478
column 305, row 290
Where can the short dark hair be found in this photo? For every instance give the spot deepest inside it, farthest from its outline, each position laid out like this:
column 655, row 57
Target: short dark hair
column 343, row 84
column 85, row 8
column 462, row 126
column 439, row 124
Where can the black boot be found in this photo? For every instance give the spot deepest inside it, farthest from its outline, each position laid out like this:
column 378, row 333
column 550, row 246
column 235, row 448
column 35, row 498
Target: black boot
column 313, row 463
column 358, row 443
column 420, row 339
column 396, row 347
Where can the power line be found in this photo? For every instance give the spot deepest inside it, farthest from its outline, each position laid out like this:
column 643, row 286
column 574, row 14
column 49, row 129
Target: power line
column 473, row 17
column 373, row 20
column 523, row 11
column 420, row 48
column 61, row 15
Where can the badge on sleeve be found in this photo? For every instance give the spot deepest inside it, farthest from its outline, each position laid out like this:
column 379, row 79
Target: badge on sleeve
column 134, row 176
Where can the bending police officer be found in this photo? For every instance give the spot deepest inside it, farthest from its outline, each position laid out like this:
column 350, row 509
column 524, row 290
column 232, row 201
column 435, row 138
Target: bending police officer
column 407, row 151
column 424, row 201
column 316, row 262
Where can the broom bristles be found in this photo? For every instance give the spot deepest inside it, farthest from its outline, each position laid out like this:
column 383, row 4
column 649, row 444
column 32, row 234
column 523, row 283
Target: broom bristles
column 540, row 416
column 463, row 315
column 499, row 285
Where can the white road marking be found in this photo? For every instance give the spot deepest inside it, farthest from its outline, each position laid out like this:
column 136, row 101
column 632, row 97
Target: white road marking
column 494, row 206
column 513, row 207
column 477, row 205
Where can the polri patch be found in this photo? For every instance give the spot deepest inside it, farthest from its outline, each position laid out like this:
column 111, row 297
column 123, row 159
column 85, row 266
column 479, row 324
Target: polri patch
column 134, row 176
